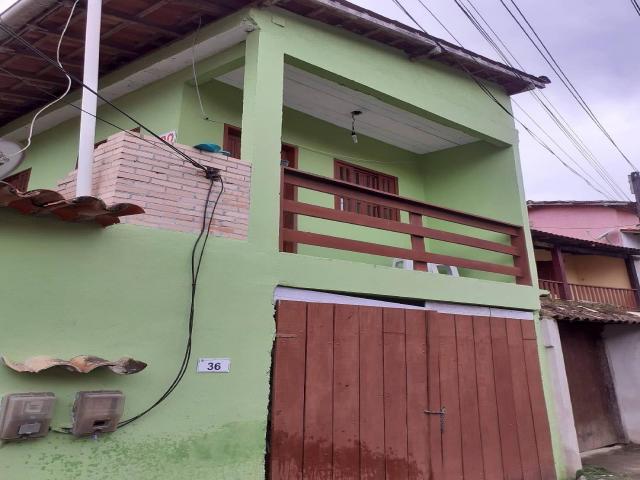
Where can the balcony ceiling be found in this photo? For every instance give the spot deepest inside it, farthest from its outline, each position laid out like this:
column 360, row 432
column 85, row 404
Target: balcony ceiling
column 333, row 103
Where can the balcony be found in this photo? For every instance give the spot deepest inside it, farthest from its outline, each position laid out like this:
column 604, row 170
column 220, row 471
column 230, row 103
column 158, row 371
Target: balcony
column 622, row 297
column 485, row 245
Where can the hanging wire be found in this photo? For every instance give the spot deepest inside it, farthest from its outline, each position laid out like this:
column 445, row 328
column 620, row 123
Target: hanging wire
column 561, row 123
column 500, row 105
column 8, row 30
column 57, row 99
column 195, row 73
column 555, row 66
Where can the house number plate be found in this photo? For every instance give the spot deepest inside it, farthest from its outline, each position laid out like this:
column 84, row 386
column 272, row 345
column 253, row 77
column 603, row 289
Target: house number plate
column 214, row 365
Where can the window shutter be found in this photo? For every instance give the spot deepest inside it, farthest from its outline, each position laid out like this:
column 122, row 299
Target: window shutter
column 370, row 179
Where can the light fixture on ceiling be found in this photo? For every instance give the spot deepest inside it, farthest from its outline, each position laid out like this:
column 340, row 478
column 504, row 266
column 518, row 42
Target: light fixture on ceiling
column 354, row 114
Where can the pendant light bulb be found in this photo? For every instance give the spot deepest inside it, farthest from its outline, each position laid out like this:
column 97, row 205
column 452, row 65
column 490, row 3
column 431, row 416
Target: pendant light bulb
column 354, row 136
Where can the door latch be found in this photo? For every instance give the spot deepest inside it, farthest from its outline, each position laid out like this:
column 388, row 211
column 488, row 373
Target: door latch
column 442, row 412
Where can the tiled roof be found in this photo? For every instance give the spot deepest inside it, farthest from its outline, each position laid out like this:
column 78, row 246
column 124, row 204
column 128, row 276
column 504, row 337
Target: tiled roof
column 575, row 311
column 582, row 203
column 51, row 203
column 555, row 238
column 79, row 364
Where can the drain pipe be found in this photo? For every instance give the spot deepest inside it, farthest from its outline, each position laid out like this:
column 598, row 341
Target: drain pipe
column 89, row 100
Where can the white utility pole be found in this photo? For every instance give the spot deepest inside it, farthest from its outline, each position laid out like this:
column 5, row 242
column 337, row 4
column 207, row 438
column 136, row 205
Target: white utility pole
column 89, row 100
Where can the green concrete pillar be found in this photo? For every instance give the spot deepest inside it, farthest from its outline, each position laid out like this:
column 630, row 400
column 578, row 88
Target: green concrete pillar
column 262, row 132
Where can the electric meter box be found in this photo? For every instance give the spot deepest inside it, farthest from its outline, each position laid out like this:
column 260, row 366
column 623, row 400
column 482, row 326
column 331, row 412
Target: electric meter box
column 26, row 415
column 97, row 412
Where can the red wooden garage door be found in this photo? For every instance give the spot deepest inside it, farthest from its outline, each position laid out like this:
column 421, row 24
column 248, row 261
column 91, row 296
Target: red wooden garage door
column 353, row 388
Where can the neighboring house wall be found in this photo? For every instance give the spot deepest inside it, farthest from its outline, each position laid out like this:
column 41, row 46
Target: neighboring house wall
column 622, row 343
column 597, row 270
column 588, row 222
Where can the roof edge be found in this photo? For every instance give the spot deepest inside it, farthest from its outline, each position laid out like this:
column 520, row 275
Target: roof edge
column 542, row 236
column 436, row 47
column 603, row 203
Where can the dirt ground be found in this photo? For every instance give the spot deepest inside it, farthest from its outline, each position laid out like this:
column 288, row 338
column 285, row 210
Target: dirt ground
column 615, row 463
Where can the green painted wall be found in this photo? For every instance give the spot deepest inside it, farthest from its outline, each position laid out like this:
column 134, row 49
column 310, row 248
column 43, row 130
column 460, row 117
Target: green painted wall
column 78, row 289
column 463, row 178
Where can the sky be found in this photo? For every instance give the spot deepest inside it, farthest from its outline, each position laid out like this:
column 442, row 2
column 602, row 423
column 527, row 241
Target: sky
column 594, row 42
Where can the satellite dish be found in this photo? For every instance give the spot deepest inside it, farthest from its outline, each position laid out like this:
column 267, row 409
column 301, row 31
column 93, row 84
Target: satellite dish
column 9, row 157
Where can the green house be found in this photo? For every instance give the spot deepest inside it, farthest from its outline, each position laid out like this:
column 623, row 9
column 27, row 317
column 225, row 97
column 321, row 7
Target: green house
column 367, row 301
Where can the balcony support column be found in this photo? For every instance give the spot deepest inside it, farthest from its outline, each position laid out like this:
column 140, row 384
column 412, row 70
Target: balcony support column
column 560, row 273
column 262, row 130
column 632, row 271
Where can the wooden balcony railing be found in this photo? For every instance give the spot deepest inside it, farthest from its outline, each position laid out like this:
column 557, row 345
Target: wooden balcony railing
column 415, row 229
column 622, row 297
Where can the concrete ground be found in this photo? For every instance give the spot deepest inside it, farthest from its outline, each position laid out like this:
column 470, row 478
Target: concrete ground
column 619, row 462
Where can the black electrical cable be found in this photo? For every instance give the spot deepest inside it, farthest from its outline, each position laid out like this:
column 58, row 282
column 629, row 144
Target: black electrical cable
column 636, row 6
column 195, row 272
column 9, row 31
column 551, row 61
column 489, row 40
column 565, row 129
column 497, row 102
column 196, row 263
column 97, row 117
column 541, row 98
column 578, row 143
column 537, row 139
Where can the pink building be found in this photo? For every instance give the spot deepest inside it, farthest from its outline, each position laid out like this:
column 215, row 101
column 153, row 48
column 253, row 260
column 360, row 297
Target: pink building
column 614, row 223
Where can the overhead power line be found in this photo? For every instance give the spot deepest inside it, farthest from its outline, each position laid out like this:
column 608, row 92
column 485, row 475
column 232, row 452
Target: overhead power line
column 507, row 55
column 555, row 66
column 499, row 104
column 636, row 6
column 8, row 30
column 80, row 109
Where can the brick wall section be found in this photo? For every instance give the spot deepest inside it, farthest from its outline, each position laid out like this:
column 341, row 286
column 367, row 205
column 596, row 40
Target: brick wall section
column 172, row 192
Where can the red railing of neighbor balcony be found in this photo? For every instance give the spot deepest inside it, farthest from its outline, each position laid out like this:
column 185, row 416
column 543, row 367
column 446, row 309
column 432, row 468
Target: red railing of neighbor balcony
column 623, row 297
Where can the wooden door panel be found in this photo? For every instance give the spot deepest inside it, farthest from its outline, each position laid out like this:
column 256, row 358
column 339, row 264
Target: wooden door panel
column 449, row 398
column 318, row 404
column 505, row 402
column 287, row 412
column 472, row 460
column 417, row 395
column 487, row 403
column 435, row 401
column 395, row 393
column 524, row 418
column 346, row 393
column 372, row 465
column 362, row 387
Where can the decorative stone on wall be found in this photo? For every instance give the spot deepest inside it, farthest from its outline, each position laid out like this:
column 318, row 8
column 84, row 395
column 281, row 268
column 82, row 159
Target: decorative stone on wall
column 129, row 169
